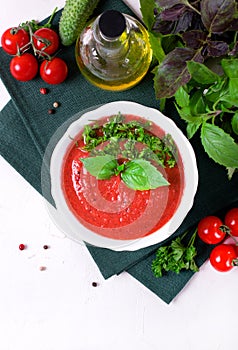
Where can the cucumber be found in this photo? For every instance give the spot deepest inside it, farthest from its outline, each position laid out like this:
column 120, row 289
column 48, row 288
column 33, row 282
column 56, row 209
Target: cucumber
column 73, row 19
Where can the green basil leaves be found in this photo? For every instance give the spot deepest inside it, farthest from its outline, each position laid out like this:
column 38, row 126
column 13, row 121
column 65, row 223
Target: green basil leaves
column 137, row 174
column 102, row 167
column 195, row 52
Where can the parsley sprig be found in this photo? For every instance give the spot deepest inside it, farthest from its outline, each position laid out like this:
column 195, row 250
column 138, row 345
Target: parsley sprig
column 175, row 257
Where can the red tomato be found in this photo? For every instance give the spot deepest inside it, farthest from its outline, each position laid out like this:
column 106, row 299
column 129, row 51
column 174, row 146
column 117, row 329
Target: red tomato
column 222, row 256
column 231, row 220
column 54, row 71
column 208, row 230
column 24, row 67
column 14, row 38
column 46, row 40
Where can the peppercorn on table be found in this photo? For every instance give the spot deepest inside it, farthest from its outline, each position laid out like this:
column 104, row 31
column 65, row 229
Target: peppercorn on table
column 53, row 295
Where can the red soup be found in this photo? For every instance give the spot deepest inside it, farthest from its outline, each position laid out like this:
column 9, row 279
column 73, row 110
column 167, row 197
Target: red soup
column 110, row 208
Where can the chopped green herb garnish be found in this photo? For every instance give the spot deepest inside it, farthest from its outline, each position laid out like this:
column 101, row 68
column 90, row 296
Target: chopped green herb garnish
column 115, row 131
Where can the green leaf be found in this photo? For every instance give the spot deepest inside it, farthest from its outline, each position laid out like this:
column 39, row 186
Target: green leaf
column 139, row 174
column 233, row 88
column 177, row 249
column 192, row 128
column 102, row 167
column 234, row 123
column 201, row 74
column 230, row 67
column 173, row 72
column 219, row 145
column 175, row 257
column 186, row 114
column 147, row 10
column 217, row 90
column 193, row 122
column 182, row 97
column 218, row 15
column 170, row 3
column 156, row 46
column 197, row 103
column 229, row 101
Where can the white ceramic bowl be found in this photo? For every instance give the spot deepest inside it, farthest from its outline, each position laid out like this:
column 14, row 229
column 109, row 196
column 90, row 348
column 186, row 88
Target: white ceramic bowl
column 66, row 220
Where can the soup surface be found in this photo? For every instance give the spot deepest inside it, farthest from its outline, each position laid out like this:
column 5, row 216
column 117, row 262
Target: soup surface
column 110, row 208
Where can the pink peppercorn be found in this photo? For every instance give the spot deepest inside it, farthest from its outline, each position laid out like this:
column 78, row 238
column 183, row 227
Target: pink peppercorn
column 51, row 111
column 22, row 246
column 42, row 268
column 43, row 91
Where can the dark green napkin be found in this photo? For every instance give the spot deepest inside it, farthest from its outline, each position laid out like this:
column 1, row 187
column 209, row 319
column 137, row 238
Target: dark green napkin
column 26, row 128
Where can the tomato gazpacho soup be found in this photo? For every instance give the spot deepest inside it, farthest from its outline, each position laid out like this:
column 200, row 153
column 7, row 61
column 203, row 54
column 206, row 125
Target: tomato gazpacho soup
column 122, row 177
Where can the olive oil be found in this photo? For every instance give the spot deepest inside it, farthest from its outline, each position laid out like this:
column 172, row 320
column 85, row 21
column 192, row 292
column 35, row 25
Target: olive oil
column 113, row 52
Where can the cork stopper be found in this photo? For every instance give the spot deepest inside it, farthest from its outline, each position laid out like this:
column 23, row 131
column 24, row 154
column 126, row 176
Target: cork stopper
column 112, row 23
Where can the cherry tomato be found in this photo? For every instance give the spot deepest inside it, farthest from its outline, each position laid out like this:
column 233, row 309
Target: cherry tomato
column 231, row 220
column 54, row 71
column 208, row 230
column 222, row 256
column 24, row 67
column 14, row 38
column 46, row 40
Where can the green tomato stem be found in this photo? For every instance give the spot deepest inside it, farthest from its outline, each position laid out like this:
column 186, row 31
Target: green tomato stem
column 192, row 239
column 227, row 230
column 51, row 17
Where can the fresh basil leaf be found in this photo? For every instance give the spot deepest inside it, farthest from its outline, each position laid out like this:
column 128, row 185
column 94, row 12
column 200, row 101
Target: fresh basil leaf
column 234, row 123
column 202, row 74
column 139, row 174
column 193, row 122
column 102, row 167
column 164, row 4
column 156, row 46
column 147, row 10
column 230, row 67
column 192, row 128
column 194, row 38
column 217, row 48
column 186, row 114
column 173, row 13
column 229, row 100
column 173, row 20
column 181, row 97
column 197, row 103
column 216, row 91
column 217, row 16
column 173, row 72
column 233, row 88
column 219, row 145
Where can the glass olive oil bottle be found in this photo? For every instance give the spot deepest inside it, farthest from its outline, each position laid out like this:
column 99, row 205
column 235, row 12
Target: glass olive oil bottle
column 113, row 51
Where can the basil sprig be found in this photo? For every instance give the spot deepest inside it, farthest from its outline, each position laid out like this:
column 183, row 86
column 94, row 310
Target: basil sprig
column 195, row 51
column 137, row 174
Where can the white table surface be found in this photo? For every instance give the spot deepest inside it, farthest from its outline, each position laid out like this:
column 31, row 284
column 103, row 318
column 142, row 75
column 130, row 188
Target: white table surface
column 59, row 309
